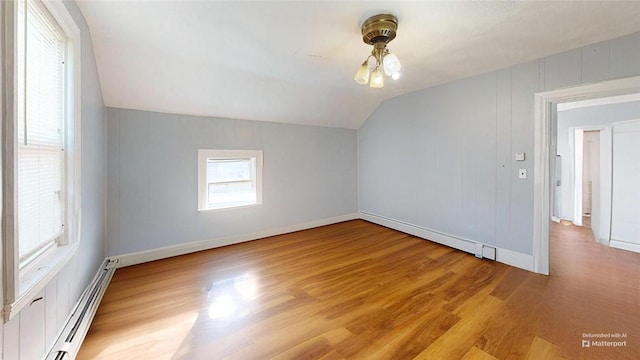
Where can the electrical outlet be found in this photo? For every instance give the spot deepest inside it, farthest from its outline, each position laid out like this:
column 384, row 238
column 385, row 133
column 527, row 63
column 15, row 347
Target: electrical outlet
column 522, row 173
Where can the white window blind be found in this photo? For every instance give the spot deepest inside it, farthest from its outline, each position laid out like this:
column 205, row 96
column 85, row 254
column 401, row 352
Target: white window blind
column 230, row 181
column 40, row 130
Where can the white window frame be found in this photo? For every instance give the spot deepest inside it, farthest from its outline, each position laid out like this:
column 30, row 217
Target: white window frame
column 204, row 155
column 20, row 287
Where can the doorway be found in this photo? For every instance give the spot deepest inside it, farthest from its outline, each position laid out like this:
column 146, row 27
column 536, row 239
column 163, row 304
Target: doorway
column 583, row 185
column 545, row 153
column 587, row 151
column 590, row 173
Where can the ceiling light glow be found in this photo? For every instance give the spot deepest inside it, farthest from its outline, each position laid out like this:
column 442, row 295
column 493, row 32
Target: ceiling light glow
column 378, row 31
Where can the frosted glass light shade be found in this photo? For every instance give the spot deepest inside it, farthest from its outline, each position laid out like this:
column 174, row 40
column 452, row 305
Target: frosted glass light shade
column 391, row 64
column 377, row 79
column 362, row 76
column 395, row 76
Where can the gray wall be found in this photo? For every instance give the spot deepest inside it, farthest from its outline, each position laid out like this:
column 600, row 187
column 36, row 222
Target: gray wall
column 30, row 334
column 310, row 173
column 605, row 116
column 443, row 158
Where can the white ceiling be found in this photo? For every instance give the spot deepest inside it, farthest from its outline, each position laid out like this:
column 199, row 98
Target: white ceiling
column 294, row 61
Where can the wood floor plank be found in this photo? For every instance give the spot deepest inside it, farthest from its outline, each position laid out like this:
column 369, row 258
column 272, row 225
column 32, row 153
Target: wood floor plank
column 456, row 341
column 476, row 354
column 414, row 337
column 543, row 349
column 356, row 290
column 316, row 347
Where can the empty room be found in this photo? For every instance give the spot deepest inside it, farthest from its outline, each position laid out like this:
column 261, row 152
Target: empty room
column 269, row 179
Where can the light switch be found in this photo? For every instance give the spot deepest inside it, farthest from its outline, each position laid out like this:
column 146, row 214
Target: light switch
column 520, row 156
column 522, row 173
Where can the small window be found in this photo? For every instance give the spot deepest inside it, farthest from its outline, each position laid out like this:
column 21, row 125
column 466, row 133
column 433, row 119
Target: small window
column 229, row 178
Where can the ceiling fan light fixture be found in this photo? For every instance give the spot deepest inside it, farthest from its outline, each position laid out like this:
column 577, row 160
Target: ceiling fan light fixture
column 362, row 76
column 378, row 31
column 391, row 64
column 377, row 79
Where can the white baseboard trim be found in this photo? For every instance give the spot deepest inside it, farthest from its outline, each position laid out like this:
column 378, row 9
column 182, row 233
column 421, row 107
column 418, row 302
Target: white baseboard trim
column 625, row 245
column 190, row 247
column 504, row 256
column 514, row 258
column 459, row 243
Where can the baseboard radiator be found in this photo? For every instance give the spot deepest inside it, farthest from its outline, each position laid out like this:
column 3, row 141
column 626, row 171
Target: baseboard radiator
column 74, row 331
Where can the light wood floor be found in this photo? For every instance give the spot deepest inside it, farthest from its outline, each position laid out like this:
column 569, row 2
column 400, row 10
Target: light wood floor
column 356, row 290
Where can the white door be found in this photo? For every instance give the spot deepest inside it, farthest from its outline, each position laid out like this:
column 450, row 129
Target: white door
column 625, row 202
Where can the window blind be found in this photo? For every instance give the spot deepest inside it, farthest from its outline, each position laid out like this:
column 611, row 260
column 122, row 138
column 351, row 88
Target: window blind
column 219, row 171
column 230, row 181
column 40, row 130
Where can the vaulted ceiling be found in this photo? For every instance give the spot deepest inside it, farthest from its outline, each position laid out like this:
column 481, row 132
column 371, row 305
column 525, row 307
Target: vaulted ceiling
column 294, row 61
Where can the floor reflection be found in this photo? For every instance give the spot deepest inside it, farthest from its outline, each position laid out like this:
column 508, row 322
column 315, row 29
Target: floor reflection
column 165, row 335
column 231, row 298
column 226, row 307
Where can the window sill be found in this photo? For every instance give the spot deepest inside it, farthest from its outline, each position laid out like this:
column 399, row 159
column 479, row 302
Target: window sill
column 232, row 206
column 34, row 280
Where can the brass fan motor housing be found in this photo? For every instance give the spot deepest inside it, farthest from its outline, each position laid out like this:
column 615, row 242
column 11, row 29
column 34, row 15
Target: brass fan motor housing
column 379, row 28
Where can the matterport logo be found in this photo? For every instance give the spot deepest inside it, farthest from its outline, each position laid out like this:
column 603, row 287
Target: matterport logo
column 590, row 340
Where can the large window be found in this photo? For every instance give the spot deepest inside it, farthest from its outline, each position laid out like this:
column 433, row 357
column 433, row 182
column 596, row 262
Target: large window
column 41, row 143
column 41, row 131
column 229, row 178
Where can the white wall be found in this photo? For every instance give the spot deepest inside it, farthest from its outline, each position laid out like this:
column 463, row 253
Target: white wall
column 443, row 158
column 593, row 116
column 30, row 334
column 309, row 174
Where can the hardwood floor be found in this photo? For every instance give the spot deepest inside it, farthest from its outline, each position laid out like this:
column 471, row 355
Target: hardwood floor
column 356, row 290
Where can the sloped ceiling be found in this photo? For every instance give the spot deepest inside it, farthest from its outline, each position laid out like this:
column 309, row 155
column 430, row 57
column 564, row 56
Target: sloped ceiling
column 294, row 61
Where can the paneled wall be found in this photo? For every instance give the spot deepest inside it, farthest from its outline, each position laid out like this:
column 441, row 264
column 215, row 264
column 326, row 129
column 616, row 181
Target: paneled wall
column 309, row 174
column 30, row 334
column 443, row 158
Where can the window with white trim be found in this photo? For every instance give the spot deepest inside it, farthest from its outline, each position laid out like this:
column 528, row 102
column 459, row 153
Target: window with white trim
column 41, row 138
column 229, row 178
column 40, row 127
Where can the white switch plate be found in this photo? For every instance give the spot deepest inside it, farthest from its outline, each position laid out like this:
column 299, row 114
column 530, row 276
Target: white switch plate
column 520, row 156
column 522, row 173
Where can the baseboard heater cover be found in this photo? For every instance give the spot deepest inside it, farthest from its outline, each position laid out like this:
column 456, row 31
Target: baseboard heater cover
column 480, row 250
column 68, row 343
